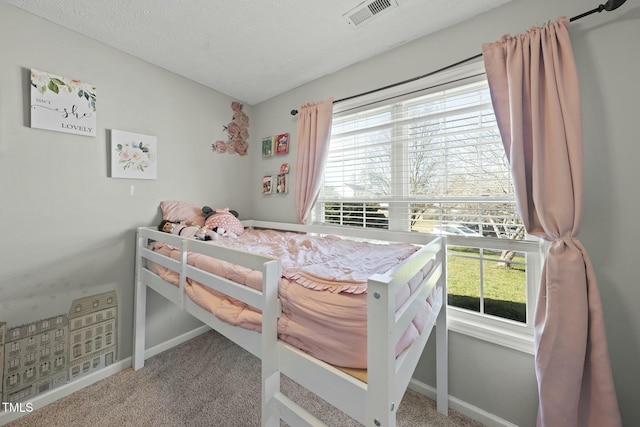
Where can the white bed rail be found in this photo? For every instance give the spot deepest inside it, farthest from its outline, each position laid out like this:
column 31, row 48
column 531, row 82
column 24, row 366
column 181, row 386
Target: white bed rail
column 374, row 402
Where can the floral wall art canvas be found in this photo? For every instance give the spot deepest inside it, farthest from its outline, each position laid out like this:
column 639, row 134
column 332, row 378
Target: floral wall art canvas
column 62, row 104
column 133, row 155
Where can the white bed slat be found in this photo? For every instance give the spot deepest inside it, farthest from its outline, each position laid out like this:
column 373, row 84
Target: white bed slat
column 245, row 338
column 172, row 293
column 153, row 233
column 409, row 310
column 164, row 261
column 240, row 292
column 294, row 414
column 235, row 256
column 326, row 381
column 410, row 357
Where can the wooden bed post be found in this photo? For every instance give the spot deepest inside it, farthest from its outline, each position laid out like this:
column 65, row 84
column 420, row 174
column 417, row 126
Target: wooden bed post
column 140, row 303
column 269, row 346
column 442, row 341
column 381, row 354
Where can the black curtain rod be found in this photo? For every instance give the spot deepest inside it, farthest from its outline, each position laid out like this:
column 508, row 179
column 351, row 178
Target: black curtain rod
column 608, row 6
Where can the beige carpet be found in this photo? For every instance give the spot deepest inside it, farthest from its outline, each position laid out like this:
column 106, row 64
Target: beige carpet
column 205, row 382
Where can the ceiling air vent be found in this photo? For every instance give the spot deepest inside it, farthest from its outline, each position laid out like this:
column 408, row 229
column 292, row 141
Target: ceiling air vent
column 367, row 10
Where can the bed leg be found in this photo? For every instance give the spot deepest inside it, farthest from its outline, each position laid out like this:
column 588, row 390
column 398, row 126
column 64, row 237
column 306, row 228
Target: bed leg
column 139, row 329
column 442, row 350
column 270, row 406
column 139, row 315
column 269, row 345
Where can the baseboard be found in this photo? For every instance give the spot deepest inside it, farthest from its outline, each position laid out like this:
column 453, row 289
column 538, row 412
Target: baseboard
column 44, row 399
column 486, row 418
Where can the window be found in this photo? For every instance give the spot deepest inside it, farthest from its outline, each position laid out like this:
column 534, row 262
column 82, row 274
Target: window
column 59, row 349
column 14, row 363
column 430, row 159
column 58, row 362
column 30, row 358
column 29, row 373
column 45, row 352
column 13, row 379
column 31, row 343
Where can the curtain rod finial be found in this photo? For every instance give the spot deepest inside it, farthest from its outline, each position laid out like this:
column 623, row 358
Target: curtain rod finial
column 613, row 4
column 294, row 112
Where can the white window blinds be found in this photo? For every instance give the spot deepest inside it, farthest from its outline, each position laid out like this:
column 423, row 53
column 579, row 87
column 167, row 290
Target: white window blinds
column 419, row 162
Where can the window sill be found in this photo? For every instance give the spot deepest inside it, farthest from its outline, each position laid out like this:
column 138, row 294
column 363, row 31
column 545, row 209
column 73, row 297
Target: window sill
column 504, row 333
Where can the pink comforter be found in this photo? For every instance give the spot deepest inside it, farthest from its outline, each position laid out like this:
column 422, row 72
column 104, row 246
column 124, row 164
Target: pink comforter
column 322, row 290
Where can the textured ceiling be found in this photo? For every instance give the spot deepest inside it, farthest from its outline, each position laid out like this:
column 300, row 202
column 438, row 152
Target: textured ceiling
column 251, row 50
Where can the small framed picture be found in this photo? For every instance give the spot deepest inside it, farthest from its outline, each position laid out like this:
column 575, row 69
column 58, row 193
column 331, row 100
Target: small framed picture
column 133, row 155
column 281, row 183
column 282, row 143
column 267, row 146
column 267, row 184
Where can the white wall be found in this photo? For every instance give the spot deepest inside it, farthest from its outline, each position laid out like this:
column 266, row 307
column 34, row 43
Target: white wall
column 69, row 229
column 495, row 379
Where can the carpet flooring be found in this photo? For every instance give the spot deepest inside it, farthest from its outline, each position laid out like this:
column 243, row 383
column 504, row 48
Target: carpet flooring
column 207, row 381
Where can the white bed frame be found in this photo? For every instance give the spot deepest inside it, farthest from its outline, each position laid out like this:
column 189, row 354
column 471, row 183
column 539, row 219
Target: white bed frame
column 372, row 403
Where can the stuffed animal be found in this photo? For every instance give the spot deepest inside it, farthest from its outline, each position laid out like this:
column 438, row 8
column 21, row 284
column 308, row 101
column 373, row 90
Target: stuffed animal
column 224, row 219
